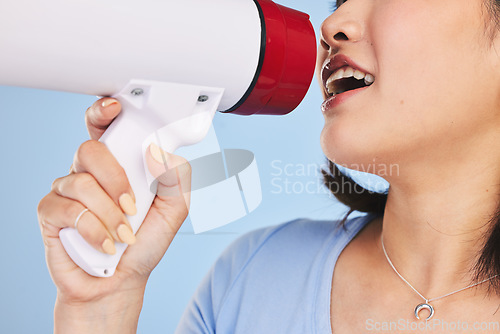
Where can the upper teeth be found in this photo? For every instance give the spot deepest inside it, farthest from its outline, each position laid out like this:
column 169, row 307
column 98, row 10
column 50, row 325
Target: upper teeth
column 347, row 72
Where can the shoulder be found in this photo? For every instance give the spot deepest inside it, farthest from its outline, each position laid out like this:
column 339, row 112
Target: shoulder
column 303, row 234
column 271, row 253
column 284, row 254
column 300, row 230
column 278, row 239
column 269, row 267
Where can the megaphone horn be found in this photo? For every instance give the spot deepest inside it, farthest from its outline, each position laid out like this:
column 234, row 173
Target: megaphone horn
column 170, row 63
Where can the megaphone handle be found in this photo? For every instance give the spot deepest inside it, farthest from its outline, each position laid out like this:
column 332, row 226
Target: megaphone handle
column 128, row 138
column 124, row 138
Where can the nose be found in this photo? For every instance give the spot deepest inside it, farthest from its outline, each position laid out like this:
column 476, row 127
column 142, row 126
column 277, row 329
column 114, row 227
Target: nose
column 341, row 27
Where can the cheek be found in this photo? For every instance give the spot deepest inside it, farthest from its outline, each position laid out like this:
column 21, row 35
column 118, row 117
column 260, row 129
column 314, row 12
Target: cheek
column 430, row 76
column 376, row 124
column 433, row 70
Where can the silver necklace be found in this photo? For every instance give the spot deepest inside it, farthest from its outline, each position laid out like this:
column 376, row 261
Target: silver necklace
column 426, row 304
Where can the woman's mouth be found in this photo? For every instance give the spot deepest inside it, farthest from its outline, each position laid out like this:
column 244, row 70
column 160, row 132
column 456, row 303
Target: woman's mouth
column 342, row 78
column 347, row 78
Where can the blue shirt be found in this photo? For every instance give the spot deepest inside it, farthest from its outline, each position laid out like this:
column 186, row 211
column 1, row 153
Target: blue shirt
column 272, row 280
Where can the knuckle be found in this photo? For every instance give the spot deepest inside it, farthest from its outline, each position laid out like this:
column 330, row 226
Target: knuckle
column 177, row 160
column 69, row 212
column 89, row 110
column 181, row 164
column 113, row 216
column 172, row 210
column 117, row 176
column 93, row 232
column 41, row 207
column 185, row 169
column 88, row 149
column 186, row 165
column 56, row 183
column 83, row 181
column 94, row 107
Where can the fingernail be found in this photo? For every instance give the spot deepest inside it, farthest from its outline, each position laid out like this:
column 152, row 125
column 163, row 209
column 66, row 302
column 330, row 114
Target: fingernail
column 109, row 247
column 125, row 234
column 106, row 103
column 157, row 153
column 127, row 204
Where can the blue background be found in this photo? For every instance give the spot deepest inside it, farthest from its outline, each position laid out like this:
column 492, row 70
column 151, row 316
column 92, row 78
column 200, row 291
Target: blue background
column 41, row 130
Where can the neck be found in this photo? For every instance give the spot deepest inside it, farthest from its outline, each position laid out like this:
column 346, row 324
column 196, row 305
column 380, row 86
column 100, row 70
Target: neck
column 435, row 226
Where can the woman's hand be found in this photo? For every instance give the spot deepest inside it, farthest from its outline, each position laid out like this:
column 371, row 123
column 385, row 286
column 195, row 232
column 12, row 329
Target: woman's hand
column 98, row 183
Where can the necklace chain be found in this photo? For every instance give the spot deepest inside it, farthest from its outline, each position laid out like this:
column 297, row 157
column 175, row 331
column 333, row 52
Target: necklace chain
column 408, row 283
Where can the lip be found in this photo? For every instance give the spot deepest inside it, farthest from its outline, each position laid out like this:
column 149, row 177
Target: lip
column 337, row 99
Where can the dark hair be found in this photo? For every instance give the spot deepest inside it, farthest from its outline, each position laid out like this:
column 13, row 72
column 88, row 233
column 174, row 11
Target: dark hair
column 350, row 193
column 357, row 198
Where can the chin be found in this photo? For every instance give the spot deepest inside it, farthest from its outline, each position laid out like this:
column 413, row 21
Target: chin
column 356, row 151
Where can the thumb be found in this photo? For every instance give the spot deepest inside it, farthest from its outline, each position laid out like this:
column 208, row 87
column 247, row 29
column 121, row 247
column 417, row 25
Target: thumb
column 100, row 115
column 173, row 174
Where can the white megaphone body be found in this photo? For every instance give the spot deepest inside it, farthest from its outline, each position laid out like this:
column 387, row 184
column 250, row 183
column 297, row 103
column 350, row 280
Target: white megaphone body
column 171, row 64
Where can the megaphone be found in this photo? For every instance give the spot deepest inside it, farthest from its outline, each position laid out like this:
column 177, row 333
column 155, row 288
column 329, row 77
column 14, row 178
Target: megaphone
column 172, row 64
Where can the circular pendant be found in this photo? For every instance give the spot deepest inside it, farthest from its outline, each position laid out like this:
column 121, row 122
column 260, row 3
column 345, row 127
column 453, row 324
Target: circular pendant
column 422, row 306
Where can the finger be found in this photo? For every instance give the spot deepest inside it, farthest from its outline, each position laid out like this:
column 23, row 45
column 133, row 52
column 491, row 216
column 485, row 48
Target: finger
column 94, row 158
column 84, row 188
column 174, row 182
column 100, row 115
column 56, row 212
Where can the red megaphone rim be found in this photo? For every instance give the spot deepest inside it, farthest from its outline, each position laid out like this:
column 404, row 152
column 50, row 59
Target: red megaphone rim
column 286, row 64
